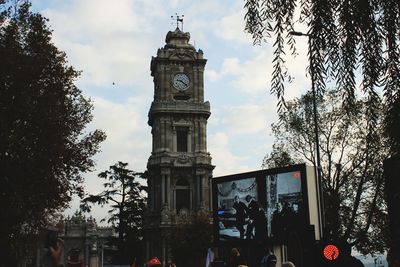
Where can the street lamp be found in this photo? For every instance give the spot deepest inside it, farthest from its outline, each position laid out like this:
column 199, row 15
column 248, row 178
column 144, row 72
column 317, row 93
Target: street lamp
column 315, row 116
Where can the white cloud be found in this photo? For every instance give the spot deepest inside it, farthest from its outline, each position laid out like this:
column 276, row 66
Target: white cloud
column 212, row 75
column 231, row 66
column 249, row 119
column 96, row 17
column 241, row 139
column 231, row 28
column 128, row 136
column 251, row 76
column 228, row 162
column 106, row 41
column 255, row 74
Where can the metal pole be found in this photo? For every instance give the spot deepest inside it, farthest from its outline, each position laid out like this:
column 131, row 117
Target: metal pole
column 318, row 167
column 316, row 132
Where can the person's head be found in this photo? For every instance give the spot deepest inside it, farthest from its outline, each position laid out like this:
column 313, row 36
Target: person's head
column 235, row 252
column 288, row 264
column 248, row 198
column 236, row 198
column 271, row 260
column 295, row 207
column 279, row 207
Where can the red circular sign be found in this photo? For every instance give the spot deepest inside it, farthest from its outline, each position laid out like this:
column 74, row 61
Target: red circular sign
column 331, row 252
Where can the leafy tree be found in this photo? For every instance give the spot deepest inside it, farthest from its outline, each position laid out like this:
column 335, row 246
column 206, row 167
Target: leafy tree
column 346, row 38
column 127, row 198
column 352, row 172
column 44, row 148
column 190, row 239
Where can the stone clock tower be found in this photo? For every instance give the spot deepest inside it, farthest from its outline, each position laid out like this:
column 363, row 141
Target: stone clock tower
column 179, row 167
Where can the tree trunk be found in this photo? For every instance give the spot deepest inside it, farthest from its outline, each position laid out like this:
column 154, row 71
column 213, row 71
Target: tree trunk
column 392, row 195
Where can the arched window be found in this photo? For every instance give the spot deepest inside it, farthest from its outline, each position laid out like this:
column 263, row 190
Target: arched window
column 182, row 195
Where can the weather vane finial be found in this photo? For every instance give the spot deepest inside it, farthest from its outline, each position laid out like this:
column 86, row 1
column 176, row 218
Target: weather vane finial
column 178, row 19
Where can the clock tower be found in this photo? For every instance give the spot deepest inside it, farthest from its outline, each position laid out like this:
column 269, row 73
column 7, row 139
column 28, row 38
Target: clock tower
column 180, row 169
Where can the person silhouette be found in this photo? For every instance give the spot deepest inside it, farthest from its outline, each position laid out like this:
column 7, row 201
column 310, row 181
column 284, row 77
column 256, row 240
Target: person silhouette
column 241, row 213
column 252, row 211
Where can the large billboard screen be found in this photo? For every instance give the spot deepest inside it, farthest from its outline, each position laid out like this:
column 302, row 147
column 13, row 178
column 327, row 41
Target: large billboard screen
column 264, row 205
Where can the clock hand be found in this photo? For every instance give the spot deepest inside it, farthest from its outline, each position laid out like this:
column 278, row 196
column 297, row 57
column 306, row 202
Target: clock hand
column 185, row 84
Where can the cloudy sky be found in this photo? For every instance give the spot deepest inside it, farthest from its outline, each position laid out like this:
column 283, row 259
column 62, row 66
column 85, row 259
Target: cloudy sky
column 112, row 43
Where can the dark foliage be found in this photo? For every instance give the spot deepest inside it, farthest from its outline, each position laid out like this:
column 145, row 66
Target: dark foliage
column 43, row 146
column 190, row 239
column 127, row 198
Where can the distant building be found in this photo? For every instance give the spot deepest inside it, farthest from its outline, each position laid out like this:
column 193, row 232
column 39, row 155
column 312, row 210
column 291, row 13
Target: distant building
column 85, row 243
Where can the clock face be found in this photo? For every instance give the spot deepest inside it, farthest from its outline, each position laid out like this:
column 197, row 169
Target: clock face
column 181, row 81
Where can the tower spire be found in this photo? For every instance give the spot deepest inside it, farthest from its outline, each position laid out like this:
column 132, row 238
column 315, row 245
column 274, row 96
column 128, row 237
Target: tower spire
column 178, row 19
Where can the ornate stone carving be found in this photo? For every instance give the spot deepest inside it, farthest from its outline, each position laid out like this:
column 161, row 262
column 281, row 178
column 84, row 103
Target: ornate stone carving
column 183, row 159
column 183, row 215
column 182, row 56
column 165, row 214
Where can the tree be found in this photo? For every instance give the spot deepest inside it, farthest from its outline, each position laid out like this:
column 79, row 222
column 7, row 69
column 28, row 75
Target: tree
column 44, row 148
column 352, row 171
column 190, row 239
column 126, row 195
column 346, row 38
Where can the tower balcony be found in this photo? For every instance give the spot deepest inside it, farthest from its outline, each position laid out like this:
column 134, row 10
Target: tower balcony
column 180, row 159
column 167, row 107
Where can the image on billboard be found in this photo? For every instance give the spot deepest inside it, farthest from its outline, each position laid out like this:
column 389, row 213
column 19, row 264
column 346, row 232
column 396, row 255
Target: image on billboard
column 284, row 203
column 238, row 207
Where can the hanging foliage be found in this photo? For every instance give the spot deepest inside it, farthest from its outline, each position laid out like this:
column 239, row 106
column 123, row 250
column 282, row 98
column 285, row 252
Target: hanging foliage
column 345, row 38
